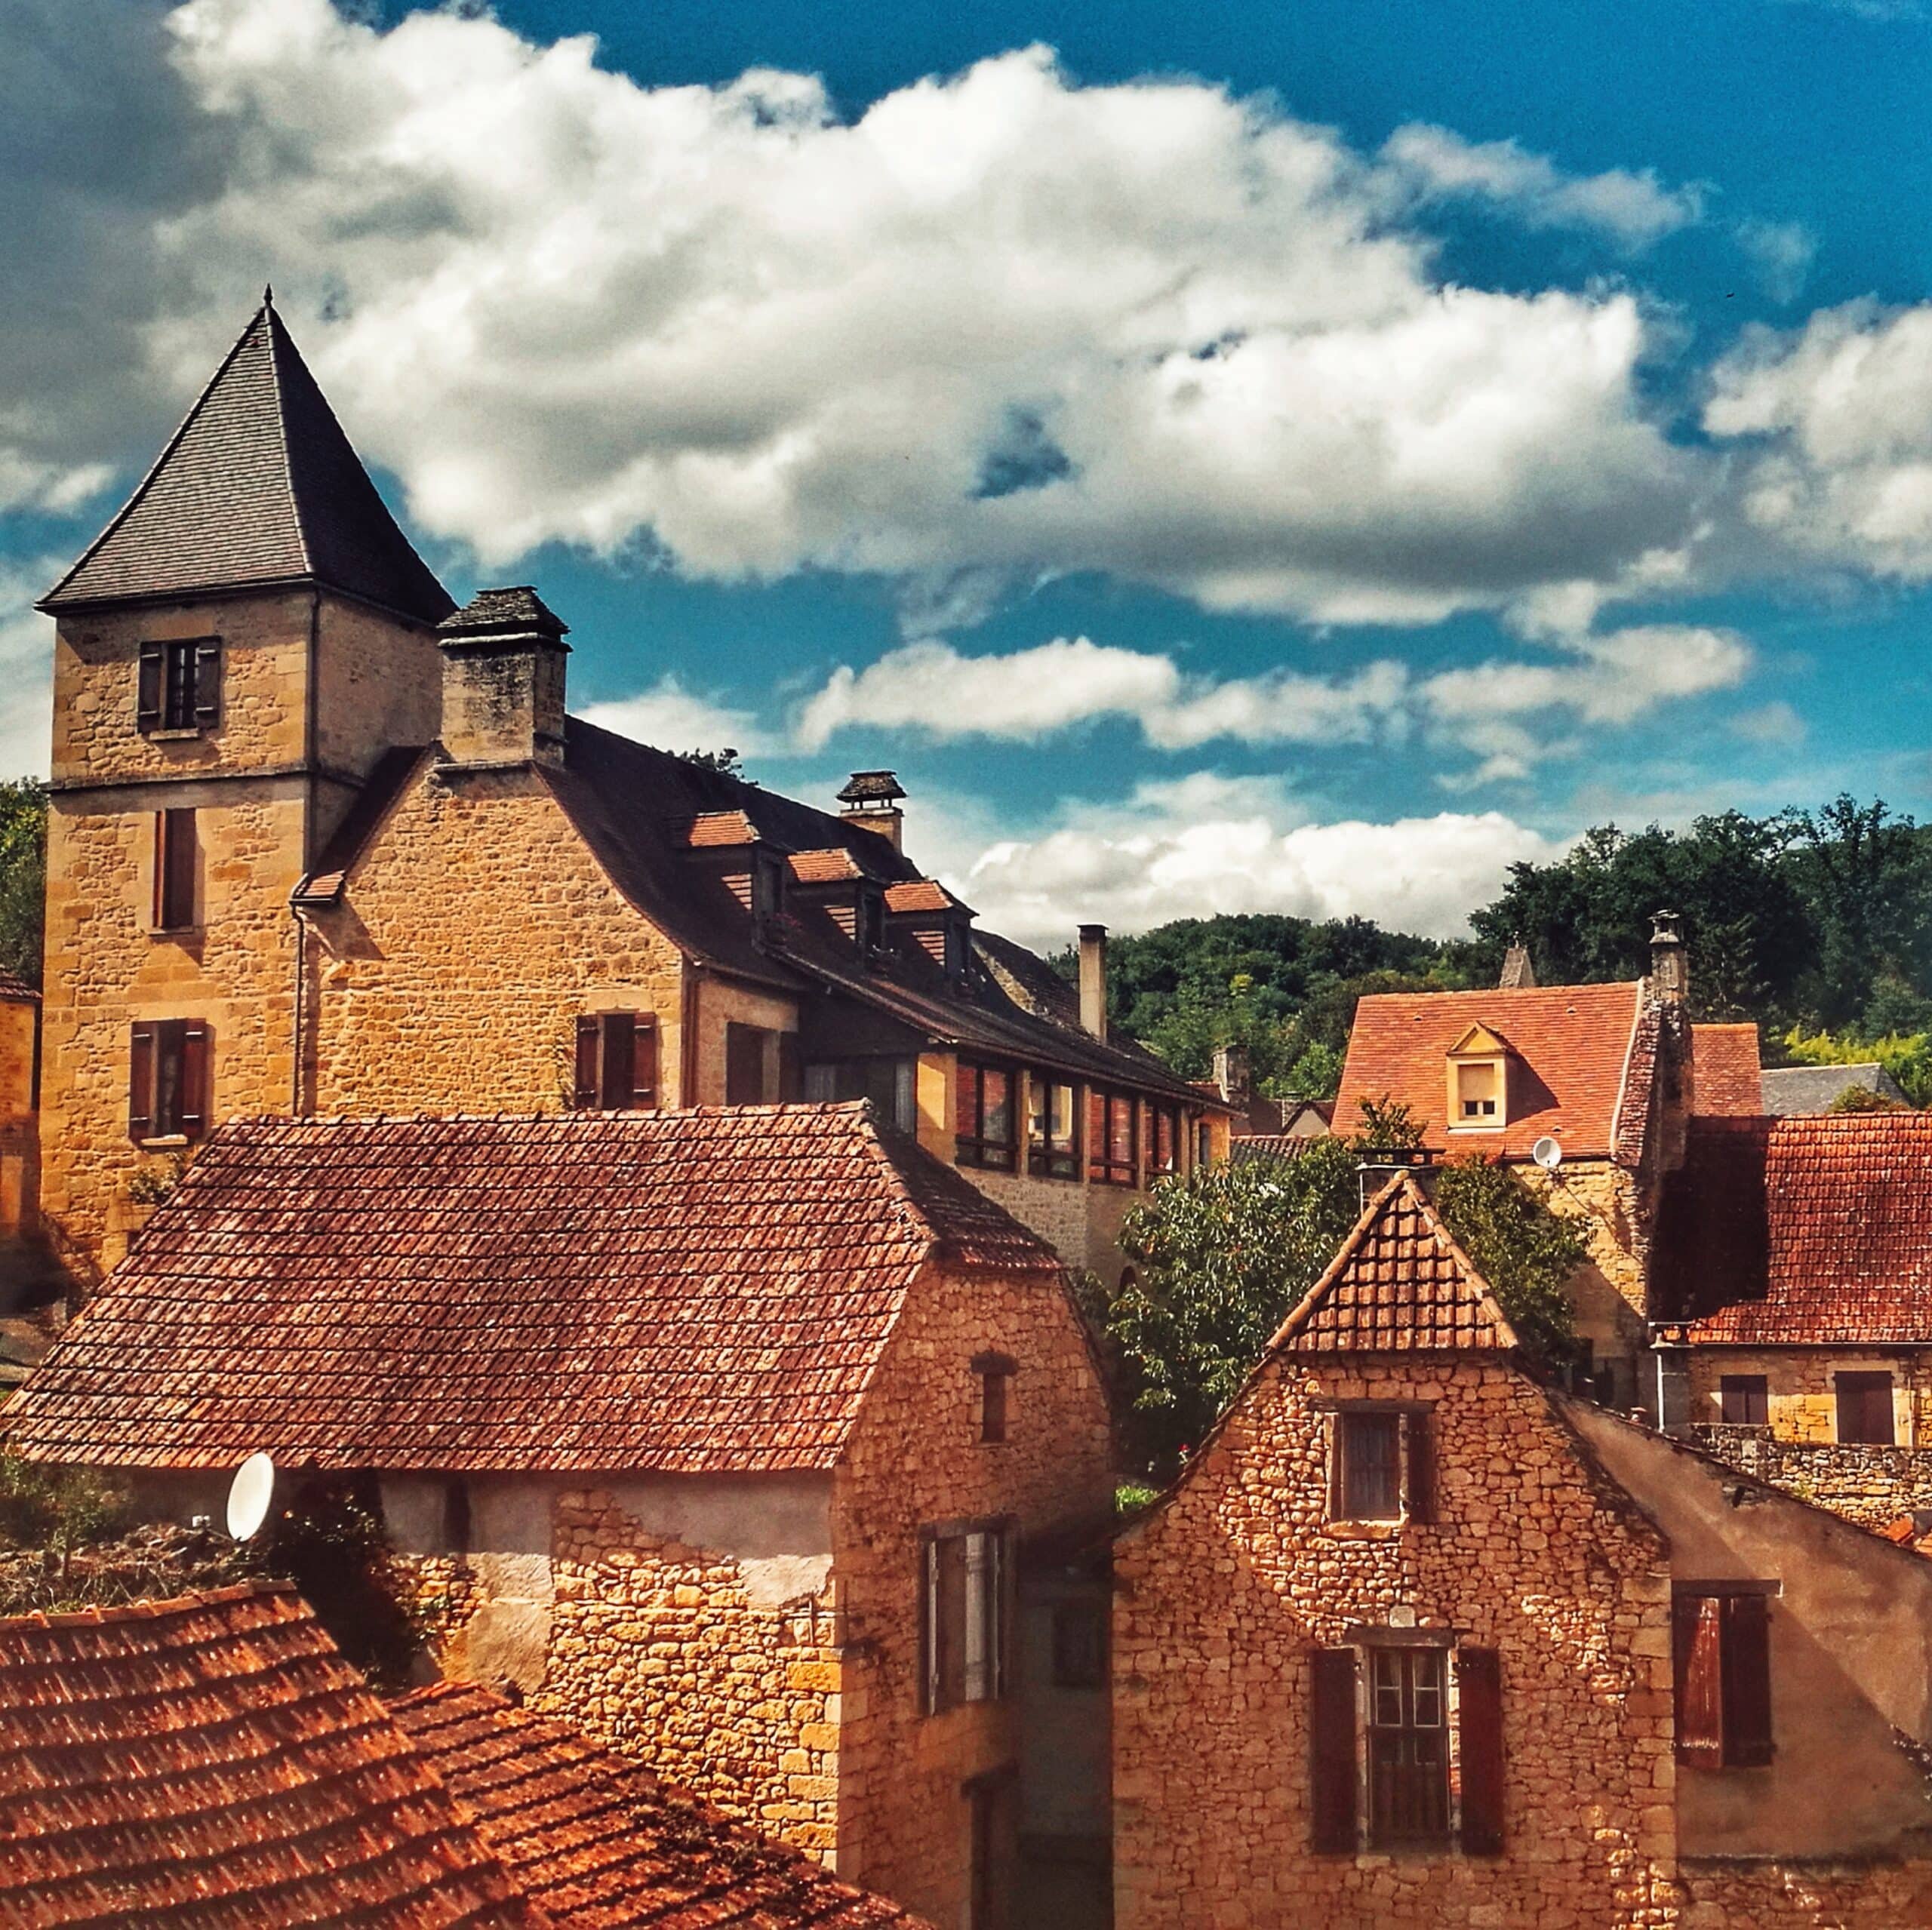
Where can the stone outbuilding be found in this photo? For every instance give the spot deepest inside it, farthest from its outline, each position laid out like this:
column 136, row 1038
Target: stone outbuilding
column 1416, row 1640
column 717, row 1433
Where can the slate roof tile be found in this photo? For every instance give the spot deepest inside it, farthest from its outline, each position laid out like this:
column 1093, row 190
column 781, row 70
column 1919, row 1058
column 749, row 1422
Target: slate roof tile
column 694, row 1292
column 601, row 1843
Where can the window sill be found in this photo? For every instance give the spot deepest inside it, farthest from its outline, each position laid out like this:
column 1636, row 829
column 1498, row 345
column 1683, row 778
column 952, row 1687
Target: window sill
column 170, row 1142
column 1364, row 1531
column 184, row 736
column 177, row 933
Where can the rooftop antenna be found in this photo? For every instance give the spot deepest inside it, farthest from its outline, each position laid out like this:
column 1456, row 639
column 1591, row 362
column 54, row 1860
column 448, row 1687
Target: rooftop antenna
column 1547, row 1153
column 249, row 1494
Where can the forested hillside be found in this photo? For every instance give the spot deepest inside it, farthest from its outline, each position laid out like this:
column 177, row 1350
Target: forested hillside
column 1817, row 925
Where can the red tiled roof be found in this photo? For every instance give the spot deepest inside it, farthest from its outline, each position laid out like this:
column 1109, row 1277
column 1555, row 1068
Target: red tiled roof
column 824, row 867
column 1818, row 1230
column 1399, row 1285
column 719, row 827
column 1725, row 1071
column 1586, row 1062
column 213, row 1763
column 694, row 1292
column 601, row 1844
column 921, row 895
column 16, row 991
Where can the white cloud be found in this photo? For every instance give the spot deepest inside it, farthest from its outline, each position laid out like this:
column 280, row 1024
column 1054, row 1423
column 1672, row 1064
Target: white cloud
column 1000, row 327
column 1776, row 724
column 1782, row 253
column 1835, row 421
column 26, row 667
column 1634, row 210
column 1209, row 845
column 675, row 719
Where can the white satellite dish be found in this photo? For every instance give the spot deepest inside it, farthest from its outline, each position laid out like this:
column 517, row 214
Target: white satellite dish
column 1547, row 1153
column 249, row 1494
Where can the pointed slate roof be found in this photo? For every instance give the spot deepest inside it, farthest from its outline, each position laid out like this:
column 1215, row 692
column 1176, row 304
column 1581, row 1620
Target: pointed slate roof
column 259, row 486
column 1399, row 1285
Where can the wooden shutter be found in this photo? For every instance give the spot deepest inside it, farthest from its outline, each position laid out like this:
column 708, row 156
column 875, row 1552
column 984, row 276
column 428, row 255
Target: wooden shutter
column 1747, row 1653
column 589, row 1037
column 196, row 1066
column 207, row 684
column 928, row 1625
column 949, row 1620
column 643, row 1063
column 1697, row 1653
column 1331, row 1733
column 1418, row 1429
column 147, row 688
column 1479, row 1698
column 617, row 1075
column 981, row 1672
column 141, row 1084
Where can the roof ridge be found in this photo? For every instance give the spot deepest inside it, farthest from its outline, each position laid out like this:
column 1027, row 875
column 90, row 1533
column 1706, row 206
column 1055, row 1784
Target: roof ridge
column 277, row 336
column 151, row 1609
column 1623, row 1076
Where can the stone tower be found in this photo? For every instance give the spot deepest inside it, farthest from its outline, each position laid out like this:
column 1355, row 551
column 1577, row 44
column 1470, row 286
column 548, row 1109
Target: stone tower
column 234, row 653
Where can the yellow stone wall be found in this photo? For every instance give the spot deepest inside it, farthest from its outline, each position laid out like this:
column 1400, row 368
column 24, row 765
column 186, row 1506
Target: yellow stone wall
column 1221, row 1594
column 1801, row 1401
column 20, row 1023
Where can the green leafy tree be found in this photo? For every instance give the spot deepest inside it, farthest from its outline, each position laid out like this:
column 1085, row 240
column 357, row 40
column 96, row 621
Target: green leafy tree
column 1525, row 1253
column 22, row 876
column 1907, row 1056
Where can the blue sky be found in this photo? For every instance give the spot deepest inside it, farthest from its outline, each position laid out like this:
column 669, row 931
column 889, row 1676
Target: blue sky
column 1239, row 458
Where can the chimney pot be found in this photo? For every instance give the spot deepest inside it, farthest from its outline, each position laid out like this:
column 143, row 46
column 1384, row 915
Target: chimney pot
column 1094, row 979
column 1670, row 972
column 1230, row 1075
column 871, row 798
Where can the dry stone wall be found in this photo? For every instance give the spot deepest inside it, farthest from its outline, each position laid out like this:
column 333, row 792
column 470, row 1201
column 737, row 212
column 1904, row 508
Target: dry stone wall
column 1871, row 1486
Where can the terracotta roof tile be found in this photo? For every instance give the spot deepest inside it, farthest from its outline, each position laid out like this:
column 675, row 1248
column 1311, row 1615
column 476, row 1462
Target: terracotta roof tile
column 258, row 486
column 1586, row 1059
column 921, row 895
column 1818, row 1230
column 693, row 1292
column 824, row 867
column 1399, row 1285
column 1725, row 1069
column 719, row 830
column 601, row 1844
column 16, row 991
column 213, row 1763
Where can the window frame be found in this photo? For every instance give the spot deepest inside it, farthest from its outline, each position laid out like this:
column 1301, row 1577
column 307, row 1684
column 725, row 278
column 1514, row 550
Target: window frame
column 1412, row 1470
column 615, row 1048
column 173, row 1058
column 1080, row 1633
column 830, row 1081
column 177, row 686
column 994, row 1373
column 1160, row 1113
column 1722, row 1678
column 1394, row 1785
column 176, row 871
column 978, row 1147
column 1048, row 1156
column 1745, row 1391
column 1103, row 1167
column 966, row 1656
column 1862, row 1384
column 741, row 1040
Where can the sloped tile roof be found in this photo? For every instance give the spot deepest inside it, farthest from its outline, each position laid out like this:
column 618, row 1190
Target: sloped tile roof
column 1818, row 1230
column 700, row 1291
column 1724, row 1061
column 1399, row 1285
column 827, row 868
column 719, row 830
column 601, row 1844
column 921, row 895
column 1585, row 1063
column 213, row 1763
column 1796, row 1091
column 258, row 486
column 16, row 991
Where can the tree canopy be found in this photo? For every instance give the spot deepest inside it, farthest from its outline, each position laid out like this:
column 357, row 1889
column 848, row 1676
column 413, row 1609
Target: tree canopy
column 22, row 876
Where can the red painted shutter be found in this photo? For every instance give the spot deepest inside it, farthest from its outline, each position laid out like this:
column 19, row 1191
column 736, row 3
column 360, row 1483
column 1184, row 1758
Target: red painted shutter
column 197, row 1065
column 147, row 694
column 1419, row 1425
column 618, row 1074
column 1696, row 1648
column 1479, row 1696
column 589, row 1037
column 1746, row 1648
column 1331, row 1735
column 141, row 1084
column 207, row 684
column 644, row 1063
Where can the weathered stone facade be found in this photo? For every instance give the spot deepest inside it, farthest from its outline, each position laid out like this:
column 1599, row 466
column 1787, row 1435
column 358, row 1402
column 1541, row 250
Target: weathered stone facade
column 1801, row 1393
column 1223, row 1593
column 1871, row 1486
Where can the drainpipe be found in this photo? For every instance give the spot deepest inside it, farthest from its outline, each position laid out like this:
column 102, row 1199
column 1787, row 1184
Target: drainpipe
column 295, row 1105
column 688, row 1033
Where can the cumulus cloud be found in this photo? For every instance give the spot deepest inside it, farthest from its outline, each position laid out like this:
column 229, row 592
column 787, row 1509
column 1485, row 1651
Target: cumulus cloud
column 1208, row 844
column 1781, row 252
column 26, row 667
column 1835, row 425
column 998, row 326
column 676, row 719
column 1634, row 210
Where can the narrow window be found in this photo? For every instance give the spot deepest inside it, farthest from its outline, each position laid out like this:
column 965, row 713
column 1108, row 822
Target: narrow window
column 1112, row 1119
column 617, row 1061
column 984, row 1118
column 168, row 1079
column 1864, row 1409
column 964, row 1614
column 456, row 1527
column 1080, row 1645
column 1368, row 1466
column 178, row 685
column 1163, row 1145
column 995, row 1378
column 1053, row 1129
column 174, row 866
column 1721, row 1658
column 1742, row 1399
column 748, row 1055
column 1408, row 1748
column 868, row 920
column 986, row 1807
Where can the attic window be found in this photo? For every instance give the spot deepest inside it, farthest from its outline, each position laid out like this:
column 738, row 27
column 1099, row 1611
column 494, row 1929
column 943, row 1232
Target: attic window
column 1478, row 1095
column 1478, row 1066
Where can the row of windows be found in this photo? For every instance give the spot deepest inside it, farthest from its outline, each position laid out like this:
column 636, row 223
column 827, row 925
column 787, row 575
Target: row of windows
column 1862, row 1401
column 986, row 1121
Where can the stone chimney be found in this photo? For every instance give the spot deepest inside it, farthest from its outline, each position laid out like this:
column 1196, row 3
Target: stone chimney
column 1094, row 979
column 1518, row 974
column 1670, row 970
column 871, row 798
column 504, row 680
column 1230, row 1075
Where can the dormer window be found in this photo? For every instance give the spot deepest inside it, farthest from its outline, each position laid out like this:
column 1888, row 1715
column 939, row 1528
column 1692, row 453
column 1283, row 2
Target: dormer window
column 1479, row 1070
column 869, row 927
column 767, row 884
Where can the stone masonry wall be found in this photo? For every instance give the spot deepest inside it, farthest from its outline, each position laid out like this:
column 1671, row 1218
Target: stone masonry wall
column 1222, row 1592
column 1871, row 1486
column 1800, row 1396
column 915, row 1459
column 476, row 929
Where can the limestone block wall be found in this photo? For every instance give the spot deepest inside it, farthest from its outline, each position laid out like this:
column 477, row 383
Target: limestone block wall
column 476, row 929
column 915, row 1460
column 1871, row 1486
column 378, row 682
column 1224, row 1591
column 1801, row 1396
